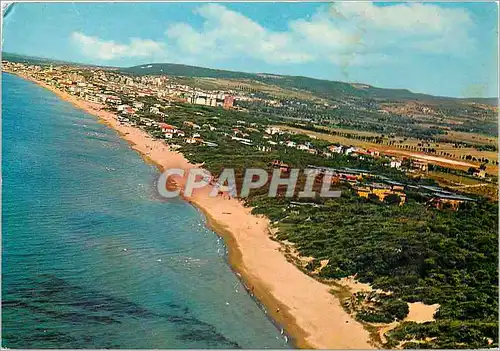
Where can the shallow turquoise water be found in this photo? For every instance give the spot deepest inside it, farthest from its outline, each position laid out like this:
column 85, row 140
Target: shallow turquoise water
column 74, row 197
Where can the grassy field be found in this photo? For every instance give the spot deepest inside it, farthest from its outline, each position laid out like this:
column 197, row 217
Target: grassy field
column 351, row 131
column 410, row 147
column 466, row 184
column 471, row 138
column 332, row 138
column 449, row 179
column 448, row 148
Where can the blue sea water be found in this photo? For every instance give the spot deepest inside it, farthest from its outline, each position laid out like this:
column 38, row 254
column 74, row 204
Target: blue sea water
column 74, row 197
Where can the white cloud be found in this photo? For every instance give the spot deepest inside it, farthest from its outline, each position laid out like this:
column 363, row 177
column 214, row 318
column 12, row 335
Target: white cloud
column 343, row 34
column 108, row 50
column 408, row 17
column 426, row 28
column 227, row 33
column 341, row 31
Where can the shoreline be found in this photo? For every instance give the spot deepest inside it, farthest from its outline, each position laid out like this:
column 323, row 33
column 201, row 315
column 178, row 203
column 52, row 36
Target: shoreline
column 306, row 309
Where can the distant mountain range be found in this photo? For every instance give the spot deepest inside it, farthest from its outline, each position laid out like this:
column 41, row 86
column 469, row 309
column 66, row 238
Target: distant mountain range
column 34, row 60
column 320, row 87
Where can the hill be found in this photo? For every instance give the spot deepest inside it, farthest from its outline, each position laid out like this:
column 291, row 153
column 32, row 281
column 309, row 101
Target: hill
column 320, row 87
column 323, row 88
column 34, row 60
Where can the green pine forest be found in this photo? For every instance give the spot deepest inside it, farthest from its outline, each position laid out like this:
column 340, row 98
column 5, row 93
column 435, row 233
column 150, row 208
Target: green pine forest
column 415, row 252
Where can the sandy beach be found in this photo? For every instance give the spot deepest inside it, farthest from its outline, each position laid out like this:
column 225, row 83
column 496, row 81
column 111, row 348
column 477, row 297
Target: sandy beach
column 304, row 306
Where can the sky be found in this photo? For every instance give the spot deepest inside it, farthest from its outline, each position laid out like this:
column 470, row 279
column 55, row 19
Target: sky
column 447, row 49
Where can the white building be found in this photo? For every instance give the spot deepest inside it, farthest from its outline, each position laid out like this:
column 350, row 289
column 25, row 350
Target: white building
column 272, row 130
column 336, row 149
column 396, row 164
column 349, row 150
column 138, row 104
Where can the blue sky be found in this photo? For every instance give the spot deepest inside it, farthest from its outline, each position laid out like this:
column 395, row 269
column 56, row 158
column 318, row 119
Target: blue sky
column 438, row 48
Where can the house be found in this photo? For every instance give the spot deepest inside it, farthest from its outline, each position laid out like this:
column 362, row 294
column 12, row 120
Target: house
column 479, row 173
column 335, row 149
column 443, row 201
column 264, row 148
column 191, row 141
column 167, row 128
column 360, row 172
column 349, row 176
column 361, row 151
column 128, row 111
column 395, row 186
column 121, row 107
column 420, row 165
column 228, row 101
column 381, row 191
column 93, row 98
column 138, row 105
column 284, row 167
column 272, row 130
column 168, row 135
column 115, row 100
column 154, row 109
column 302, row 147
column 242, row 140
column 396, row 164
column 196, row 135
column 349, row 150
column 290, row 143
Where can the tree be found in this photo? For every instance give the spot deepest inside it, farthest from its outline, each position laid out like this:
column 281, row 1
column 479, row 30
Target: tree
column 373, row 198
column 392, row 199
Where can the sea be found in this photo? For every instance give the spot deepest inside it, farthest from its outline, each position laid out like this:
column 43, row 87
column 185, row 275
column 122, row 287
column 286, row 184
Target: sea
column 92, row 257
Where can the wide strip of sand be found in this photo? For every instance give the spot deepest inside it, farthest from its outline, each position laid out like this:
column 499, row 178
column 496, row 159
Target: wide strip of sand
column 304, row 306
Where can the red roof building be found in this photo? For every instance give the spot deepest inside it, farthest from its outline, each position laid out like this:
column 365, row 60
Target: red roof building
column 167, row 128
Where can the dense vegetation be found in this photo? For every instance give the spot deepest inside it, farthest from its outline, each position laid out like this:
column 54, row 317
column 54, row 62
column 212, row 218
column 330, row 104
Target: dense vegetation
column 416, row 252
